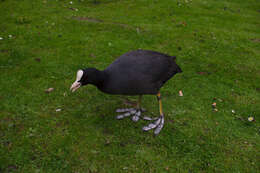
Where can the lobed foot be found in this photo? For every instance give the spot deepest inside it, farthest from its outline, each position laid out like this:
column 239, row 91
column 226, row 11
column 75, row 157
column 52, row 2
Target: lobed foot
column 157, row 125
column 135, row 113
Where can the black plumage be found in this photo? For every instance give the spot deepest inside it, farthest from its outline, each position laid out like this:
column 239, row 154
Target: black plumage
column 137, row 72
column 134, row 73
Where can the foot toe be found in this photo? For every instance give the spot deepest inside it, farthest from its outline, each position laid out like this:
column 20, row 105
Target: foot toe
column 121, row 116
column 149, row 118
column 135, row 118
column 133, row 111
column 124, row 110
column 152, row 125
column 159, row 127
column 146, row 128
column 137, row 115
column 120, row 110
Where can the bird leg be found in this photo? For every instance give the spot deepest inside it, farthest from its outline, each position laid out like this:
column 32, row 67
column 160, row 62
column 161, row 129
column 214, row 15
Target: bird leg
column 159, row 122
column 134, row 112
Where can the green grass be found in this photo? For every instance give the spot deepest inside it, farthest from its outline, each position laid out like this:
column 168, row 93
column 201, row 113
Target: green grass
column 51, row 41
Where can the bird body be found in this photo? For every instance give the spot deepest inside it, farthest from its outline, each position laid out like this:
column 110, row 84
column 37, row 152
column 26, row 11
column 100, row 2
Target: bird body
column 138, row 72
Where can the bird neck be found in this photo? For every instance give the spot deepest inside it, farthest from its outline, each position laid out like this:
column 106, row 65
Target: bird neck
column 97, row 78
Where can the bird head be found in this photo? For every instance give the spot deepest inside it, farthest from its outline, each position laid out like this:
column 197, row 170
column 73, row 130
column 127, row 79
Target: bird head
column 80, row 80
column 87, row 76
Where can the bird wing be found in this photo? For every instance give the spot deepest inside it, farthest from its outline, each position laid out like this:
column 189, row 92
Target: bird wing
column 141, row 69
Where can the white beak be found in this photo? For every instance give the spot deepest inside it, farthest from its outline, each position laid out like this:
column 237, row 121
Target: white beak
column 76, row 85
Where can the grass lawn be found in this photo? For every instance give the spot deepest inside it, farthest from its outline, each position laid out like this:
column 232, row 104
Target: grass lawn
column 44, row 42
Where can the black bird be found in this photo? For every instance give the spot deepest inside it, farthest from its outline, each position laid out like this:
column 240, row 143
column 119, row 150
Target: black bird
column 139, row 72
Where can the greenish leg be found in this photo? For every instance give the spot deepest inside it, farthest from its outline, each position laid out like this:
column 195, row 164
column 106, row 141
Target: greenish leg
column 159, row 123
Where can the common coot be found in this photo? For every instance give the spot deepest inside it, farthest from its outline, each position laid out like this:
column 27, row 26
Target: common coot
column 140, row 72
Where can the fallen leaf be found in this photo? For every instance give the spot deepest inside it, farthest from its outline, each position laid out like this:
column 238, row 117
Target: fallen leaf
column 92, row 55
column 184, row 23
column 179, row 24
column 201, row 73
column 58, row 110
column 49, row 90
column 180, row 93
column 107, row 142
column 37, row 59
column 74, row 9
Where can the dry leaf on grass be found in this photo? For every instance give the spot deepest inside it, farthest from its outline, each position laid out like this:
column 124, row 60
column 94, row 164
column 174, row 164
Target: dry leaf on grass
column 58, row 110
column 49, row 90
column 180, row 93
column 38, row 59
